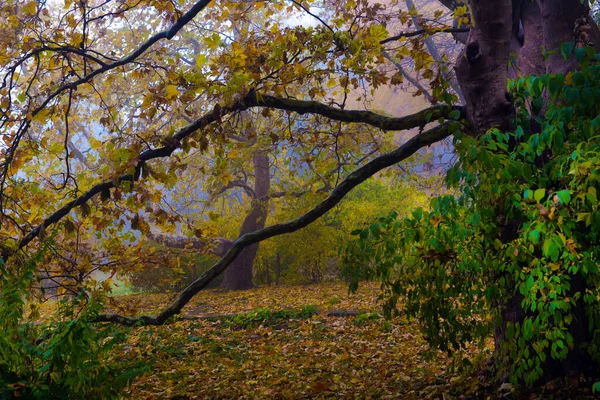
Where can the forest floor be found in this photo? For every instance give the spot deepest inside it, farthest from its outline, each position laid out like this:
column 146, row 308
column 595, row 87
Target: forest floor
column 281, row 342
column 283, row 345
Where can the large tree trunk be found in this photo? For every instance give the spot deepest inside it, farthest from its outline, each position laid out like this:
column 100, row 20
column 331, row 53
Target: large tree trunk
column 524, row 28
column 239, row 274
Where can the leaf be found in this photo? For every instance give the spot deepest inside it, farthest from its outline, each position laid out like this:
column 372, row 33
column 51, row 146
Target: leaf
column 29, row 9
column 564, row 196
column 201, row 60
column 551, row 249
column 212, row 41
column 171, row 91
column 528, row 329
column 566, row 49
column 539, row 194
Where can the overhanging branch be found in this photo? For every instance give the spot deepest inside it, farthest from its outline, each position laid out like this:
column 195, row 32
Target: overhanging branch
column 354, row 179
column 418, row 32
column 418, row 119
column 183, row 20
column 383, row 122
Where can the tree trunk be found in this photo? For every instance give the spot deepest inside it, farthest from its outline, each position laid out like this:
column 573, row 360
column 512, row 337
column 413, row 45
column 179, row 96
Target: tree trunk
column 267, row 271
column 277, row 268
column 524, row 28
column 239, row 274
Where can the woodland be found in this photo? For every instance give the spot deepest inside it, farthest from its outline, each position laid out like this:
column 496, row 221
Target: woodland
column 299, row 199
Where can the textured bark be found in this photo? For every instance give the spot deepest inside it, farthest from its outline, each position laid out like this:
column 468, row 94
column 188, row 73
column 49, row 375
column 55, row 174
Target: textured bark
column 558, row 23
column 277, row 268
column 482, row 66
column 239, row 275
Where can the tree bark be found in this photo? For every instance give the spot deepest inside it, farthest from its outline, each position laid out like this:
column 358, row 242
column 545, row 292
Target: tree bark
column 277, row 268
column 482, row 70
column 267, row 271
column 523, row 28
column 239, row 275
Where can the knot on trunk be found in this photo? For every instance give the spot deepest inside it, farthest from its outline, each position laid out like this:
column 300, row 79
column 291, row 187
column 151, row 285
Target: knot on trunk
column 473, row 52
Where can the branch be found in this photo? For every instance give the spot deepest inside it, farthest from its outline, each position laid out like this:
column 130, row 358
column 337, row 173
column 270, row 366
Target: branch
column 418, row 32
column 387, row 123
column 354, row 179
column 167, row 34
column 217, row 246
column 409, row 78
column 147, row 155
column 420, row 118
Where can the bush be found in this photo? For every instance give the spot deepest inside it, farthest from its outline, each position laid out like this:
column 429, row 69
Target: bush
column 65, row 359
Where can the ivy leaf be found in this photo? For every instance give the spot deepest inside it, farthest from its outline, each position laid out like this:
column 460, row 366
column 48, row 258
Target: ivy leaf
column 566, row 49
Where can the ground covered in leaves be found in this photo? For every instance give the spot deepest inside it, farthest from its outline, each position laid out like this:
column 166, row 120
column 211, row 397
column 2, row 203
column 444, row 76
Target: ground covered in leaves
column 300, row 342
column 280, row 342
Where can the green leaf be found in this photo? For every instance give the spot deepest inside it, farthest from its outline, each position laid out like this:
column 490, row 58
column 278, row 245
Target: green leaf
column 551, row 249
column 539, row 194
column 566, row 49
column 564, row 196
column 528, row 329
column 534, row 236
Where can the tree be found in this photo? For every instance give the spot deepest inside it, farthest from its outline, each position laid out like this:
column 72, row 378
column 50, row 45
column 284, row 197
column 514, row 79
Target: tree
column 153, row 96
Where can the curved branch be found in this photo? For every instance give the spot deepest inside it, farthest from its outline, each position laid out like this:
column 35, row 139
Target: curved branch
column 418, row 119
column 383, row 122
column 354, row 179
column 252, row 100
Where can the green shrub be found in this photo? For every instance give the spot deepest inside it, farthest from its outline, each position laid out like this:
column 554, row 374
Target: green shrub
column 63, row 359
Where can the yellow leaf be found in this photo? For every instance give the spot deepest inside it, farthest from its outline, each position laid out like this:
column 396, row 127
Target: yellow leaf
column 29, row 8
column 213, row 41
column 42, row 116
column 232, row 154
column 76, row 39
column 95, row 144
column 201, row 60
column 171, row 91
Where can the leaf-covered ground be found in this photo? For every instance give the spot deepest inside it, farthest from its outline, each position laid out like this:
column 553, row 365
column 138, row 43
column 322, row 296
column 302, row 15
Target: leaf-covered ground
column 263, row 354
column 281, row 343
